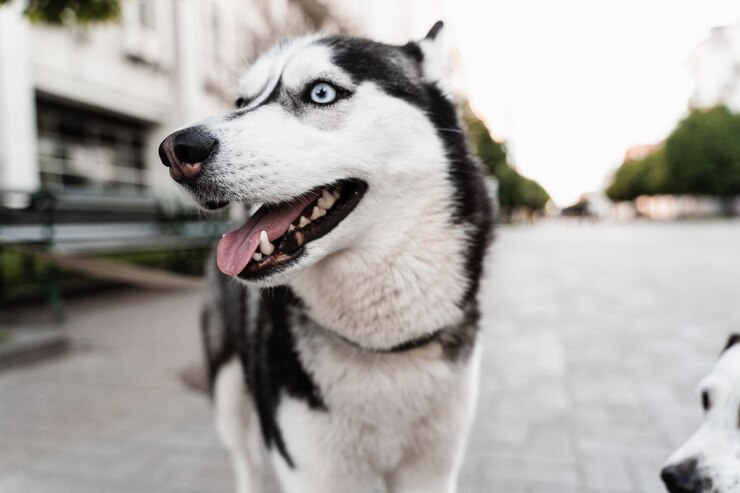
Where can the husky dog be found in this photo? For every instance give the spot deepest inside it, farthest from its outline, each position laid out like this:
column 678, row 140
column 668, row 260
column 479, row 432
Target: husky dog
column 346, row 358
column 710, row 460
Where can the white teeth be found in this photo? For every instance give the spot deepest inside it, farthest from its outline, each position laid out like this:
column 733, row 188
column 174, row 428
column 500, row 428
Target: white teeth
column 265, row 246
column 326, row 201
column 317, row 213
column 304, row 221
column 335, row 194
column 291, row 228
column 257, row 256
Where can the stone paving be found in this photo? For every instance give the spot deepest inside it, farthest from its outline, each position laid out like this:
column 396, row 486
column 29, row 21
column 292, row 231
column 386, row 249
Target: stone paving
column 595, row 337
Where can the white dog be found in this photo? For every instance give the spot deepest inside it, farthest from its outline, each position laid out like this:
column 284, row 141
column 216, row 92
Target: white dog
column 710, row 460
column 347, row 356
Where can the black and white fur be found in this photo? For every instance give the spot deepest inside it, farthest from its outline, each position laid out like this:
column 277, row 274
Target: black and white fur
column 709, row 462
column 356, row 365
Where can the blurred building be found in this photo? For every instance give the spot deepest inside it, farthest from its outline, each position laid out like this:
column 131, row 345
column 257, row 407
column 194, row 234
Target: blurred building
column 85, row 108
column 715, row 65
column 672, row 207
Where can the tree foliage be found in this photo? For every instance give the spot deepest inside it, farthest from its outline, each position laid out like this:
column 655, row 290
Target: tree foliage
column 514, row 190
column 70, row 11
column 703, row 153
column 646, row 176
column 701, row 156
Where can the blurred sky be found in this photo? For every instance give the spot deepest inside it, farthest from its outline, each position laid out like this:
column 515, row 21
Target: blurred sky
column 573, row 83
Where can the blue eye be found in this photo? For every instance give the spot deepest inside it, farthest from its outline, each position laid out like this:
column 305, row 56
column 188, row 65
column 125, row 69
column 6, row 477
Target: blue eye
column 323, row 93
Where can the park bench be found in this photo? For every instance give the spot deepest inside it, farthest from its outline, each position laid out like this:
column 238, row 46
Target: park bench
column 71, row 230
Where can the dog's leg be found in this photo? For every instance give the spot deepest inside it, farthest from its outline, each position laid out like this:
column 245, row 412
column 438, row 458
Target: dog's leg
column 309, row 482
column 320, row 472
column 424, row 474
column 434, row 465
column 319, row 463
column 236, row 425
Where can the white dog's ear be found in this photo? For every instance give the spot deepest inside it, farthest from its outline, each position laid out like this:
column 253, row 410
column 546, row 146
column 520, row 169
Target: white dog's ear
column 734, row 339
column 435, row 55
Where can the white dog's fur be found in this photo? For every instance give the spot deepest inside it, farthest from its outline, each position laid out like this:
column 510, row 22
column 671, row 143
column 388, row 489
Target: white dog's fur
column 397, row 269
column 710, row 460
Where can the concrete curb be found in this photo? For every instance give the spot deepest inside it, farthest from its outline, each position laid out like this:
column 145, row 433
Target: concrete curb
column 32, row 345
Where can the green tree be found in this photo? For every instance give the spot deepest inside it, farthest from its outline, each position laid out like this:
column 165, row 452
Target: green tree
column 514, row 190
column 70, row 11
column 703, row 154
column 646, row 176
column 655, row 177
column 533, row 195
column 492, row 153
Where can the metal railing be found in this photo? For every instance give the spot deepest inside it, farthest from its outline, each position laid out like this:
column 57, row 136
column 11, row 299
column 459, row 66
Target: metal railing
column 88, row 224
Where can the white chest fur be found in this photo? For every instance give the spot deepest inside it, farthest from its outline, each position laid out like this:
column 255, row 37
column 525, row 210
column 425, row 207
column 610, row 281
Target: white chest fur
column 381, row 408
column 398, row 285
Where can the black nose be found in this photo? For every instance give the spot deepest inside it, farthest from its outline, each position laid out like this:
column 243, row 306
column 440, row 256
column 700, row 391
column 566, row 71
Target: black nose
column 185, row 151
column 682, row 478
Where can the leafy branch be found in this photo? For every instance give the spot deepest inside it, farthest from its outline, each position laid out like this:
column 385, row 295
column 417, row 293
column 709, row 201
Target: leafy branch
column 64, row 12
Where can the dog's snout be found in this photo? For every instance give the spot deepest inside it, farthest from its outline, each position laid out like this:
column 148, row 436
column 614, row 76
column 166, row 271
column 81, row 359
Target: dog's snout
column 682, row 478
column 193, row 145
column 186, row 151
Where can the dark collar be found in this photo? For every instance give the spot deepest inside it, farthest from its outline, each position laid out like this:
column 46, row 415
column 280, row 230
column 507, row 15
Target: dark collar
column 409, row 345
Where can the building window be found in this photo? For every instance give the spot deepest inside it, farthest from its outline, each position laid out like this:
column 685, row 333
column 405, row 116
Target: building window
column 141, row 41
column 84, row 149
column 220, row 75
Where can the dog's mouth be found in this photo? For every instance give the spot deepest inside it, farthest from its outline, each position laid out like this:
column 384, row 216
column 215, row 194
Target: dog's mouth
column 277, row 233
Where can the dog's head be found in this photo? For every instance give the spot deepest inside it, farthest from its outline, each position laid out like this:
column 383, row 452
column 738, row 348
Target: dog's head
column 331, row 136
column 710, row 460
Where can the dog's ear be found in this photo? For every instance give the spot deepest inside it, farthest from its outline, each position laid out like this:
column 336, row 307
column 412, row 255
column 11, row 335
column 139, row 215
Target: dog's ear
column 434, row 63
column 734, row 339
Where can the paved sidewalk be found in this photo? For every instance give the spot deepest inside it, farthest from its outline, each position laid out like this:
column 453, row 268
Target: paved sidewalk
column 112, row 415
column 595, row 338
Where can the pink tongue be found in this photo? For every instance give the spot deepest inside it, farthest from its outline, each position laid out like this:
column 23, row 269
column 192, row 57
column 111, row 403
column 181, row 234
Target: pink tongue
column 236, row 248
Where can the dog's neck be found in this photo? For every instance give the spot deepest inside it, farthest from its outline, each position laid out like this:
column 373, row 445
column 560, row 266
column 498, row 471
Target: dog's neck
column 384, row 293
